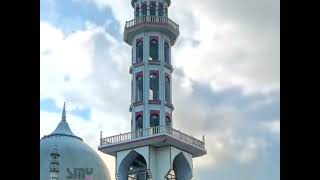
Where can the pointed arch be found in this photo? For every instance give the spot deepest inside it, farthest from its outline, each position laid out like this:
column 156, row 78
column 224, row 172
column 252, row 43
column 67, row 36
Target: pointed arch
column 182, row 168
column 154, row 49
column 139, row 51
column 133, row 165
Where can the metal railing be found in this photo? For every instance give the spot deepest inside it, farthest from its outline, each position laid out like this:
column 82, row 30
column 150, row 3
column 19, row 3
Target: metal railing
column 152, row 19
column 152, row 131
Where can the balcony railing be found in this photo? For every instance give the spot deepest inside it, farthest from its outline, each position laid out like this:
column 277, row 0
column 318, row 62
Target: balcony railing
column 152, row 19
column 152, row 131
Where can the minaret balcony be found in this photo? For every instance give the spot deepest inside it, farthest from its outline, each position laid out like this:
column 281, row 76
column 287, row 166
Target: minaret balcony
column 150, row 23
column 158, row 136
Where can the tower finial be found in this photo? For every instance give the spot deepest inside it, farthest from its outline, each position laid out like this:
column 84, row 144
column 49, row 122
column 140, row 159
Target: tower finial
column 64, row 112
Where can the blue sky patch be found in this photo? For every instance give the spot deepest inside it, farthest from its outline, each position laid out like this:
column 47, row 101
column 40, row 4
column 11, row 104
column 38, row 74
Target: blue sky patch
column 49, row 105
column 84, row 113
column 73, row 15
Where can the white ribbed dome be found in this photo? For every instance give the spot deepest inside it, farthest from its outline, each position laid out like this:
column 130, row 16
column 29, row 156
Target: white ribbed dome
column 74, row 153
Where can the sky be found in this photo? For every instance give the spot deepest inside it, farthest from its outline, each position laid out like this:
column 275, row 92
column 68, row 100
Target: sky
column 226, row 78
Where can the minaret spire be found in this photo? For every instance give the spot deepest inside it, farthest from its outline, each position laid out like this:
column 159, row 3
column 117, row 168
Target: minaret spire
column 64, row 112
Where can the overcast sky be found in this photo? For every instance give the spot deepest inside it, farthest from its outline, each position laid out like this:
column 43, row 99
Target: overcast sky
column 226, row 79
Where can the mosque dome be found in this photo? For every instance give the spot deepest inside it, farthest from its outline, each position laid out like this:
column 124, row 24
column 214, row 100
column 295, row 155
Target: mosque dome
column 63, row 155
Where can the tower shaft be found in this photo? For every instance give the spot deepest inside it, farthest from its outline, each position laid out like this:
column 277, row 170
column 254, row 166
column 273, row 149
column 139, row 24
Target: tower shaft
column 153, row 149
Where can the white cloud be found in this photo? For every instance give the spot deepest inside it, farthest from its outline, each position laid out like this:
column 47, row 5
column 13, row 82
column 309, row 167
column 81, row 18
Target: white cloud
column 273, row 126
column 222, row 51
column 222, row 42
column 224, row 147
column 92, row 70
column 94, row 81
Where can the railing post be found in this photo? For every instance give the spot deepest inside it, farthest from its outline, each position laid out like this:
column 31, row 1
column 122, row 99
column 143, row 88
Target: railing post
column 100, row 137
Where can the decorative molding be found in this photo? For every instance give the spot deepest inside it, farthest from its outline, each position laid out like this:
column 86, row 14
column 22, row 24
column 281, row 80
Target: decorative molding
column 169, row 105
column 154, row 62
column 154, row 38
column 155, row 101
column 140, row 113
column 139, row 103
column 154, row 112
column 138, row 74
column 138, row 64
column 154, row 72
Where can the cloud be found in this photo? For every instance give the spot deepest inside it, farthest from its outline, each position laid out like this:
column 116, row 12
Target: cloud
column 232, row 48
column 96, row 79
column 87, row 58
column 224, row 147
column 223, row 45
column 272, row 127
column 219, row 121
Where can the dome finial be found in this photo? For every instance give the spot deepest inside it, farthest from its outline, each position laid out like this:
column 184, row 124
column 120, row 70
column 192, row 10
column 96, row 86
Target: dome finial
column 64, row 112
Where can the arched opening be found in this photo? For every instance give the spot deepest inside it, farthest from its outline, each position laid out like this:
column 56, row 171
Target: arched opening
column 160, row 9
column 136, row 12
column 166, row 52
column 144, row 9
column 154, row 55
column 133, row 167
column 154, row 120
column 152, row 8
column 139, row 88
column 139, row 126
column 139, row 122
column 167, row 90
column 154, row 86
column 139, row 51
column 168, row 121
column 182, row 168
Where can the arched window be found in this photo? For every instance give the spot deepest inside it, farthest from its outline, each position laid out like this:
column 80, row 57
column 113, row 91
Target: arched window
column 139, row 51
column 144, row 9
column 136, row 13
column 160, row 9
column 154, row 120
column 139, row 88
column 167, row 89
column 168, row 121
column 154, row 49
column 152, row 8
column 139, row 122
column 154, row 86
column 166, row 52
column 132, row 90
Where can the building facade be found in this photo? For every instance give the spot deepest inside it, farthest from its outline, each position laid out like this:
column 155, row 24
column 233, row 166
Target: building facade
column 153, row 149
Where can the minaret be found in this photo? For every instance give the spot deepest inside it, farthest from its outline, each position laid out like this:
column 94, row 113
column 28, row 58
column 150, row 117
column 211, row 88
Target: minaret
column 54, row 164
column 153, row 149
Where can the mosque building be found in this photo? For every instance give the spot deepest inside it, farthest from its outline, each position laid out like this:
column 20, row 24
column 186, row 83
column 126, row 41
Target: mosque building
column 153, row 149
column 63, row 156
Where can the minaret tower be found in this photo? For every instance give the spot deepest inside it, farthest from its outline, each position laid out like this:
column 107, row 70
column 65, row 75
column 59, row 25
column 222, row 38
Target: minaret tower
column 54, row 164
column 153, row 149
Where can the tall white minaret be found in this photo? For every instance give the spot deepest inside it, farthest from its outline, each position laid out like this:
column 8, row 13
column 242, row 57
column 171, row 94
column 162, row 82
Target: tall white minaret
column 153, row 149
column 54, row 164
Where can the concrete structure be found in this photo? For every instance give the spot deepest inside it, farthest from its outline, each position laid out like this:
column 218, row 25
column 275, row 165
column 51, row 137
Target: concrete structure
column 64, row 156
column 153, row 149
